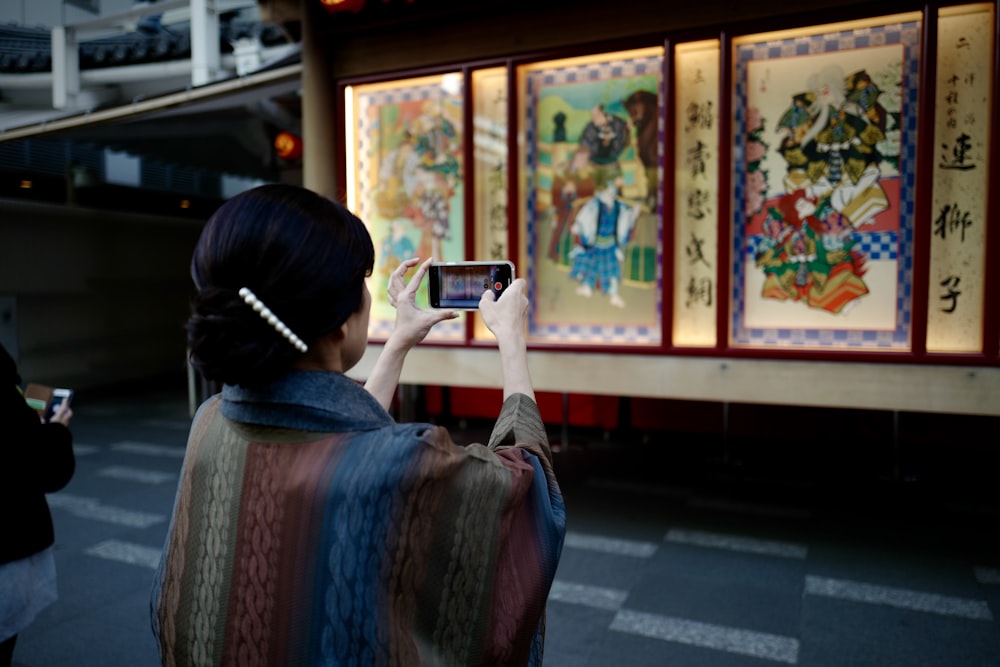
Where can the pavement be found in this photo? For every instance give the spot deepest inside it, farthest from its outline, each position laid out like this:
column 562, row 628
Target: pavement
column 680, row 551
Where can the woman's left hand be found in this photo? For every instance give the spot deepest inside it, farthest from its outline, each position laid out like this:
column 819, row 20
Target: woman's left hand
column 412, row 322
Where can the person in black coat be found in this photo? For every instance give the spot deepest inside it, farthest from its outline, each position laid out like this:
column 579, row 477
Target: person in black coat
column 36, row 458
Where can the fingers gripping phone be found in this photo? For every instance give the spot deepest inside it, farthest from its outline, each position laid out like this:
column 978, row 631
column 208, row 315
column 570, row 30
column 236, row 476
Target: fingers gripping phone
column 460, row 285
column 59, row 396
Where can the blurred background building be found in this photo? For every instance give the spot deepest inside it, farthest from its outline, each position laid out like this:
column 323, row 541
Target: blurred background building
column 98, row 219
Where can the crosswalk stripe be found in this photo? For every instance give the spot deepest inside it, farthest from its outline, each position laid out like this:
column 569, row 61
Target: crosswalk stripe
column 610, row 545
column 737, row 543
column 91, row 508
column 733, row 640
column 898, row 597
column 597, row 597
column 137, row 474
column 126, row 552
column 147, row 449
column 762, row 645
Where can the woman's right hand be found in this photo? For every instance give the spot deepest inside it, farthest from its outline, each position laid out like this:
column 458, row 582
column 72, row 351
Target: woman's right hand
column 62, row 415
column 508, row 315
column 507, row 318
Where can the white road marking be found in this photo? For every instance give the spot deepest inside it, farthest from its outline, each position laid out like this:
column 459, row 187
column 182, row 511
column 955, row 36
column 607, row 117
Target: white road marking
column 126, row 552
column 737, row 543
column 137, row 474
column 898, row 597
column 91, row 508
column 762, row 645
column 610, row 545
column 147, row 449
column 85, row 450
column 597, row 597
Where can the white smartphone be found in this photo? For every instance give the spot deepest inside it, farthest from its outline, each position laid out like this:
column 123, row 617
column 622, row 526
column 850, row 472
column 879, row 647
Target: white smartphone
column 59, row 396
column 460, row 285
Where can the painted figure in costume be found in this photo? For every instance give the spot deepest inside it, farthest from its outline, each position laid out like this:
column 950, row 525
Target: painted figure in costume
column 602, row 227
column 830, row 143
column 559, row 133
column 396, row 248
column 642, row 111
column 417, row 179
column 604, row 138
column 437, row 142
column 437, row 170
column 864, row 94
column 807, row 255
column 572, row 185
column 830, row 140
column 397, row 179
column 793, row 125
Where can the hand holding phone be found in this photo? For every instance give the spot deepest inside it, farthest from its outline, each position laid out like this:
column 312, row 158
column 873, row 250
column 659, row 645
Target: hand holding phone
column 460, row 285
column 412, row 322
column 59, row 407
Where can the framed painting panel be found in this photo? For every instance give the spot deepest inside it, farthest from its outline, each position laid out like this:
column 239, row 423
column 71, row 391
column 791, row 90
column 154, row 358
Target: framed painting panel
column 823, row 186
column 591, row 165
column 962, row 113
column 406, row 181
column 696, row 184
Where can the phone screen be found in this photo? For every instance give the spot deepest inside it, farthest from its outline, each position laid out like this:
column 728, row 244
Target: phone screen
column 461, row 284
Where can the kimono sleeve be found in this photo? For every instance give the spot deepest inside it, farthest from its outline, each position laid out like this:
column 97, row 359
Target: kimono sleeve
column 531, row 536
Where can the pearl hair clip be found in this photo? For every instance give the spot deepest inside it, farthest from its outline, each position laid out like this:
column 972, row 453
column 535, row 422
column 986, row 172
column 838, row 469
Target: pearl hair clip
column 251, row 299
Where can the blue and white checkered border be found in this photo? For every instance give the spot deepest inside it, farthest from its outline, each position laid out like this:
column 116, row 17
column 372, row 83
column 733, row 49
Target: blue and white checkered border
column 876, row 246
column 907, row 34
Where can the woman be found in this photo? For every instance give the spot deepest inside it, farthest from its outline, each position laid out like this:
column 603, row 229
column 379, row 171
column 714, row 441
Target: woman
column 309, row 527
column 35, row 458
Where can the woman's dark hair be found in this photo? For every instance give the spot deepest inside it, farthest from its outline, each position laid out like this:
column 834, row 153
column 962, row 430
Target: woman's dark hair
column 304, row 256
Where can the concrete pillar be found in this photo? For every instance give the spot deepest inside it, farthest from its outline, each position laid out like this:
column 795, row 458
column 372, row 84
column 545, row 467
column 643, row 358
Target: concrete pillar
column 206, row 59
column 65, row 68
column 319, row 157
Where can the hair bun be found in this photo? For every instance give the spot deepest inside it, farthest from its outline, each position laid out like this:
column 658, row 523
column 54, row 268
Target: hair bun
column 231, row 343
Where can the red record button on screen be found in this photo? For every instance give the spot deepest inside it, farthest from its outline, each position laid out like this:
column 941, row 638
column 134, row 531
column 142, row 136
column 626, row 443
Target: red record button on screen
column 498, row 285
